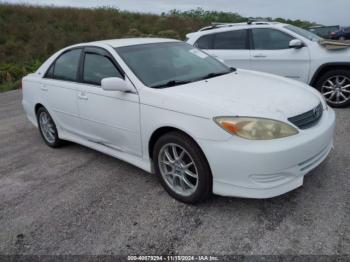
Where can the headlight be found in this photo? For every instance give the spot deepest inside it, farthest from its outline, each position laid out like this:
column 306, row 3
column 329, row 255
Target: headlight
column 255, row 128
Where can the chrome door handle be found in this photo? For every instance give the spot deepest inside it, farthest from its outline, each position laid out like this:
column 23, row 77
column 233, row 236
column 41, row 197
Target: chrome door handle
column 260, row 56
column 44, row 88
column 82, row 96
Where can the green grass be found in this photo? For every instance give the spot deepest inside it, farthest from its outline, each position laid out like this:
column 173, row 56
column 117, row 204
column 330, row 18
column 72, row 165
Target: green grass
column 30, row 34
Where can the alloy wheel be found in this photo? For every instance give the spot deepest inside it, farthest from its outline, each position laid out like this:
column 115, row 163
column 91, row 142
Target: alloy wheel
column 336, row 89
column 47, row 127
column 178, row 169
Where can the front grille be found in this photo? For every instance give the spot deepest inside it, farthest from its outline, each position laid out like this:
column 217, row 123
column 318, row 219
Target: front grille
column 307, row 119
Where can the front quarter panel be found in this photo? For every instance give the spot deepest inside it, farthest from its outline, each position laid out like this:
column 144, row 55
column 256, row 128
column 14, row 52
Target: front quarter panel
column 198, row 127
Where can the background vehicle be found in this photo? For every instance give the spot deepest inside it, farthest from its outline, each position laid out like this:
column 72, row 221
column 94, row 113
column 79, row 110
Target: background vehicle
column 342, row 34
column 200, row 125
column 283, row 50
column 324, row 31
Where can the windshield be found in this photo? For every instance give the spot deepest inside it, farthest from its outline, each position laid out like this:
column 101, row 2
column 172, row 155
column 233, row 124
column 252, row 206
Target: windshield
column 170, row 63
column 304, row 33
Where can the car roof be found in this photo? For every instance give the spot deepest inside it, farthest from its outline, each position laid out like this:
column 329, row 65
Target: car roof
column 133, row 41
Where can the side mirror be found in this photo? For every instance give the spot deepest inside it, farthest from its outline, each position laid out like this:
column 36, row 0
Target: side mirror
column 296, row 43
column 115, row 84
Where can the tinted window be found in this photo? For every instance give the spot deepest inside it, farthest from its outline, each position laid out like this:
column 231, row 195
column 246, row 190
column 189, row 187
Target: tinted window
column 97, row 67
column 205, row 42
column 270, row 39
column 66, row 66
column 49, row 72
column 231, row 40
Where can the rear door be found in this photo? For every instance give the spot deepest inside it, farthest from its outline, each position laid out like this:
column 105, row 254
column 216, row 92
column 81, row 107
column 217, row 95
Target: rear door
column 271, row 54
column 61, row 89
column 231, row 46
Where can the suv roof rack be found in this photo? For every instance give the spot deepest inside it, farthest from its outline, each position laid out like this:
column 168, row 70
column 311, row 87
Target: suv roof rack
column 216, row 25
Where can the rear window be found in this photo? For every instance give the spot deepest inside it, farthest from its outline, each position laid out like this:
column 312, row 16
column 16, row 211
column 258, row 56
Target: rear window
column 66, row 66
column 231, row 40
column 205, row 42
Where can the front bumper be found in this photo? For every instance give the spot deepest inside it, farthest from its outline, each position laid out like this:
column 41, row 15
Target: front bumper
column 264, row 169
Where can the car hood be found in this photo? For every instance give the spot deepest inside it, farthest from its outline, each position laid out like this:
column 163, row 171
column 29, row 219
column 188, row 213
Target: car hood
column 241, row 93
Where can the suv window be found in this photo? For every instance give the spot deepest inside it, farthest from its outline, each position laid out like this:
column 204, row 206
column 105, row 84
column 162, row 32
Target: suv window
column 231, row 40
column 205, row 42
column 97, row 67
column 66, row 66
column 270, row 39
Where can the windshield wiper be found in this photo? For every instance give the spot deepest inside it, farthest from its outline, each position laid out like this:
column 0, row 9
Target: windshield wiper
column 211, row 75
column 172, row 83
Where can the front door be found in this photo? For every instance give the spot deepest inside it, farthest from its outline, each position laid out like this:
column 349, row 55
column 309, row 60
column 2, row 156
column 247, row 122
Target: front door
column 111, row 118
column 271, row 54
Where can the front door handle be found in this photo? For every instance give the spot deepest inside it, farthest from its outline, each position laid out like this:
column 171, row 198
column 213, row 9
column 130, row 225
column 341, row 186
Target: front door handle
column 82, row 96
column 259, row 56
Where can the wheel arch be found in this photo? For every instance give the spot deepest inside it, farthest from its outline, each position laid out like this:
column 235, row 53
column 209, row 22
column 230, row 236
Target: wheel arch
column 37, row 106
column 160, row 131
column 166, row 129
column 326, row 67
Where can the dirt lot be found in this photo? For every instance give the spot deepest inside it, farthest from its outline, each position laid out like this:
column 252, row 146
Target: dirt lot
column 77, row 201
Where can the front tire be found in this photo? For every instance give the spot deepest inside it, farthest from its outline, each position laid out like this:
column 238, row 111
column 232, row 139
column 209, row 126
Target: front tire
column 334, row 85
column 182, row 168
column 47, row 128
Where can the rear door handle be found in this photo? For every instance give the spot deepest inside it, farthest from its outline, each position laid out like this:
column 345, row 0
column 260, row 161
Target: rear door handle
column 259, row 56
column 82, row 96
column 44, row 87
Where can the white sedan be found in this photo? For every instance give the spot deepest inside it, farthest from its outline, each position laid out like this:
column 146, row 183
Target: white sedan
column 170, row 109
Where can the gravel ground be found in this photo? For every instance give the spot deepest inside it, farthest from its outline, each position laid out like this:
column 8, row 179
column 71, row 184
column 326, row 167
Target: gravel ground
column 74, row 200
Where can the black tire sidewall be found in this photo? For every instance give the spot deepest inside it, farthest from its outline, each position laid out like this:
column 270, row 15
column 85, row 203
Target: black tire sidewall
column 329, row 74
column 204, row 188
column 57, row 142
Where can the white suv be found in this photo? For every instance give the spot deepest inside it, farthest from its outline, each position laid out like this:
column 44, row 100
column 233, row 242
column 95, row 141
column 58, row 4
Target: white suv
column 283, row 50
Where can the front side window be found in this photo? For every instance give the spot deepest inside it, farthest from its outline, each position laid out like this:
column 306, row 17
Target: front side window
column 231, row 40
column 66, row 66
column 97, row 67
column 270, row 39
column 170, row 63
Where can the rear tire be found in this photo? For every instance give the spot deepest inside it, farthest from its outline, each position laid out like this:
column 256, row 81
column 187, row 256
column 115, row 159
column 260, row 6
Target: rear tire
column 334, row 85
column 47, row 128
column 186, row 182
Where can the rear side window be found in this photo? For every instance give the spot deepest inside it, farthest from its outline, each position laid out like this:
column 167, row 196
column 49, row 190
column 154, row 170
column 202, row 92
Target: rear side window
column 270, row 39
column 97, row 67
column 66, row 66
column 205, row 42
column 231, row 40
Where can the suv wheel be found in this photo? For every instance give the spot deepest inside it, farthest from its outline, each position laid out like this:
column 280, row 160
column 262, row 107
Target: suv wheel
column 182, row 168
column 334, row 85
column 48, row 128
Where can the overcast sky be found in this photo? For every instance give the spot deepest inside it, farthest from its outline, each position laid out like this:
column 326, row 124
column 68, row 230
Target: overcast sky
column 327, row 12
